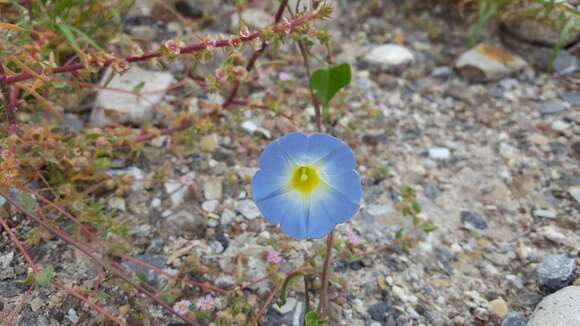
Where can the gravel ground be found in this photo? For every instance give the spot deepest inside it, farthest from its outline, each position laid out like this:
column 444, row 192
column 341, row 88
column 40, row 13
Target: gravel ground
column 494, row 164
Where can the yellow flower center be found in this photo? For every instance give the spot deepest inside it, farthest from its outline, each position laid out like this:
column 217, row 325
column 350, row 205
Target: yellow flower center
column 304, row 179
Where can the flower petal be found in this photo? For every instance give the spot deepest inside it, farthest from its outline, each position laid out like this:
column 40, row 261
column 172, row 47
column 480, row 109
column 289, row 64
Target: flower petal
column 295, row 147
column 274, row 159
column 331, row 154
column 267, row 183
column 287, row 209
column 346, row 185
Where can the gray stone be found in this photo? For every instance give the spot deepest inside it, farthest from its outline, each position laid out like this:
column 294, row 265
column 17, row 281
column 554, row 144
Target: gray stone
column 560, row 308
column 72, row 316
column 575, row 193
column 185, row 221
column 126, row 107
column 213, row 189
column 556, row 272
column 515, row 280
column 148, row 275
column 440, row 153
column 571, row 97
column 486, row 62
column 544, row 213
column 216, row 246
column 287, row 307
column 134, row 172
column 514, row 318
column 473, row 220
column 6, row 259
column 565, row 63
column 176, row 191
column 552, row 107
column 441, row 72
column 227, row 216
column 389, row 56
column 247, row 208
column 379, row 311
column 210, row 206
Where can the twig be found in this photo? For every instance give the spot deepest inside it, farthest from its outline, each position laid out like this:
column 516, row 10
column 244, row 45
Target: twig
column 256, row 320
column 323, row 306
column 315, row 100
column 252, row 62
column 9, row 103
column 185, row 50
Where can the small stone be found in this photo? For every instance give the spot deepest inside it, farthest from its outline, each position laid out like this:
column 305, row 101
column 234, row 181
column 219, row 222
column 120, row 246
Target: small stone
column 213, row 189
column 379, row 311
column 473, row 221
column 573, row 98
column 155, row 203
column 514, row 318
column 149, row 275
column 136, row 174
column 216, row 247
column 552, row 107
column 544, row 213
column 556, row 272
column 209, row 143
column 249, row 126
column 227, row 217
column 515, row 280
column 72, row 316
column 185, row 221
column 117, row 203
column 575, row 193
column 210, row 206
column 187, row 9
column 247, row 208
column 176, row 192
column 481, row 314
column 441, row 72
column 379, row 210
column 389, row 56
column 498, row 307
column 6, row 259
column 486, row 62
column 560, row 308
column 440, row 153
column 287, row 307
column 112, row 106
column 560, row 126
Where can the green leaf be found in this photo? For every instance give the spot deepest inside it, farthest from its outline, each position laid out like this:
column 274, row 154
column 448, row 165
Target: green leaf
column 311, row 319
column 68, row 34
column 326, row 82
column 28, row 201
column 102, row 163
column 566, row 28
column 44, row 277
column 137, row 89
column 29, row 280
column 87, row 38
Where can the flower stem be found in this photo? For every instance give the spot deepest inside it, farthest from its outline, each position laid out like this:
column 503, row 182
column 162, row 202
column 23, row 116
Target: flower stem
column 323, row 306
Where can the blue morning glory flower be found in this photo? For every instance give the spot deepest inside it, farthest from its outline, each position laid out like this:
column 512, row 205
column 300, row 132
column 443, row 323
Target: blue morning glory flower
column 307, row 184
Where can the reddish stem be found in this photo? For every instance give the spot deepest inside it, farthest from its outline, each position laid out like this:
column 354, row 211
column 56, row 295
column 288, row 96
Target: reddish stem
column 185, row 50
column 323, row 307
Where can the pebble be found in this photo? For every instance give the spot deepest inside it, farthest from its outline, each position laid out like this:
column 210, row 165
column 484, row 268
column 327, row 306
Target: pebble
column 544, row 213
column 210, row 206
column 575, row 193
column 560, row 308
column 150, row 276
column 440, row 153
column 573, row 98
column 118, row 203
column 515, row 280
column 556, row 272
column 6, row 259
column 155, row 203
column 287, row 307
column 213, row 189
column 552, row 107
column 176, row 192
column 379, row 311
column 185, row 221
column 389, row 56
column 481, row 314
column 247, row 208
column 72, row 316
column 216, row 247
column 560, row 125
column 112, row 106
column 227, row 217
column 498, row 307
column 473, row 221
column 487, row 62
column 208, row 143
column 514, row 318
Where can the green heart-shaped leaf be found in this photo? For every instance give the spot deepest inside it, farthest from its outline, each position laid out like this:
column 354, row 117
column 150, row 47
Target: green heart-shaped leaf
column 326, row 82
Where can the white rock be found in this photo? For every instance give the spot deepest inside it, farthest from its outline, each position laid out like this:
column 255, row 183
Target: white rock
column 176, row 192
column 253, row 17
column 155, row 203
column 544, row 213
column 389, row 56
column 249, row 126
column 560, row 126
column 118, row 203
column 560, row 308
column 247, row 208
column 210, row 206
column 379, row 210
column 575, row 193
column 112, row 106
column 6, row 259
column 560, row 236
column 228, row 216
column 287, row 307
column 72, row 316
column 212, row 189
column 185, row 221
column 440, row 153
column 134, row 172
column 488, row 63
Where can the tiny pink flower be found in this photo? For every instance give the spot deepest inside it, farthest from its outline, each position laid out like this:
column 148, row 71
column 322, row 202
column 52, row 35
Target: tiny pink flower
column 173, row 46
column 187, row 179
column 353, row 238
column 205, row 303
column 273, row 257
column 210, row 45
column 239, row 72
column 287, row 26
column 182, row 307
column 221, row 75
column 245, row 32
column 284, row 76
